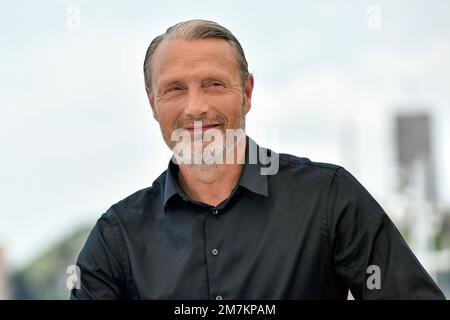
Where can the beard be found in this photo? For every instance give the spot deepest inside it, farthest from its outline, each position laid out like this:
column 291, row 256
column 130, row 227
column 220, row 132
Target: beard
column 206, row 149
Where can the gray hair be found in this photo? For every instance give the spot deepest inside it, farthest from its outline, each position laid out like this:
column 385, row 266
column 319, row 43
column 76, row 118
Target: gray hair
column 196, row 29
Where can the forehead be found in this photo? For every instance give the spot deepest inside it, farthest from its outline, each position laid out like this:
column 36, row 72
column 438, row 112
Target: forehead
column 178, row 56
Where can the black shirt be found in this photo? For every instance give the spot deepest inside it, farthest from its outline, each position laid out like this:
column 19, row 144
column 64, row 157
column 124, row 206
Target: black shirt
column 310, row 231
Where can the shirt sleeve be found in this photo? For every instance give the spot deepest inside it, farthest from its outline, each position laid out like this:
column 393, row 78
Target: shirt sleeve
column 369, row 252
column 102, row 274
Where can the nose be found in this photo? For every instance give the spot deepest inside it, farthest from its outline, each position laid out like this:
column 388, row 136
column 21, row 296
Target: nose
column 196, row 103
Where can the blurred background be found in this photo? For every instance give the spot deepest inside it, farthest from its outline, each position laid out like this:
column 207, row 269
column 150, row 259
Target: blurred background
column 362, row 84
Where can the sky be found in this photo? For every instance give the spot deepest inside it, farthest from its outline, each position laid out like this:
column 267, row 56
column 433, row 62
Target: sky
column 77, row 134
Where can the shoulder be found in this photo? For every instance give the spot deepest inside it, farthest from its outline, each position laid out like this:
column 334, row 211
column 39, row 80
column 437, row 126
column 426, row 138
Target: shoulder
column 330, row 176
column 294, row 166
column 137, row 204
column 289, row 160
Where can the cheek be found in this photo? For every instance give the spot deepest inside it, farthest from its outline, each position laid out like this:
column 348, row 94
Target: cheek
column 229, row 105
column 167, row 115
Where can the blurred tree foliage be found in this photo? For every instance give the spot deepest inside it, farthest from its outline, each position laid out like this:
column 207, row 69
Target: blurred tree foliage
column 45, row 277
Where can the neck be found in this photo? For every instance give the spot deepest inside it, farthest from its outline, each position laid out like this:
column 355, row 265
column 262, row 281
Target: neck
column 212, row 184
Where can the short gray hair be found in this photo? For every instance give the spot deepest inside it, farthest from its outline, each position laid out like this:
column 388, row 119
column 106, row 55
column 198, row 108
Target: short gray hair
column 196, row 29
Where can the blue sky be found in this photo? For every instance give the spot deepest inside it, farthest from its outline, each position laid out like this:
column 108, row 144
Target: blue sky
column 77, row 134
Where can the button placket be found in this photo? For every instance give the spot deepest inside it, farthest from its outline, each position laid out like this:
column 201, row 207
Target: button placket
column 213, row 252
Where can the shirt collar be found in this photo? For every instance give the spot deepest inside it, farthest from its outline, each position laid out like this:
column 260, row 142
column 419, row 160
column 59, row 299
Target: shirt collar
column 171, row 186
column 251, row 177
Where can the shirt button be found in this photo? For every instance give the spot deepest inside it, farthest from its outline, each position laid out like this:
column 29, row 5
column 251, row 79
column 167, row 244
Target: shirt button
column 215, row 252
column 219, row 297
column 215, row 211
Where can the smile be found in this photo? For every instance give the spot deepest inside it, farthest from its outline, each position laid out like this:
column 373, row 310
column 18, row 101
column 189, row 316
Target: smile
column 201, row 127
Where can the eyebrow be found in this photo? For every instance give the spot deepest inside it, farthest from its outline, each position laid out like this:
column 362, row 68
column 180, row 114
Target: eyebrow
column 206, row 77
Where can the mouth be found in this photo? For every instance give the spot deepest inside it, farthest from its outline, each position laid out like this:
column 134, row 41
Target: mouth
column 203, row 127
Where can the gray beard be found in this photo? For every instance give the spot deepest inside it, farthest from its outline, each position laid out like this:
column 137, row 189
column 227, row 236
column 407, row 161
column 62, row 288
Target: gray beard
column 205, row 154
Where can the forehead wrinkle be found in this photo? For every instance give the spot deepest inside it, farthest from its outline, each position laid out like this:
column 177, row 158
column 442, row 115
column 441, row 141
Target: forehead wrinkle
column 193, row 74
column 199, row 62
column 177, row 59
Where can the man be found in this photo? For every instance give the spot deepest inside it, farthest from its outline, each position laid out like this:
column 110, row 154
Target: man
column 228, row 223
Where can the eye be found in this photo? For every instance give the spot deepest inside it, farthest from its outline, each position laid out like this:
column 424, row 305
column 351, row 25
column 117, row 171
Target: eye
column 215, row 84
column 174, row 88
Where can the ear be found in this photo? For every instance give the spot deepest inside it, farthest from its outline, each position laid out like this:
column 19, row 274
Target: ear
column 152, row 102
column 248, row 90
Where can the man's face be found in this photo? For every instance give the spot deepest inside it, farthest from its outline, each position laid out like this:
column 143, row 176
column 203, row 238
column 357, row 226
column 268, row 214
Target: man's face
column 197, row 80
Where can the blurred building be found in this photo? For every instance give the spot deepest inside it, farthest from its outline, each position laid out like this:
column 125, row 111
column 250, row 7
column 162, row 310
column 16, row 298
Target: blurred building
column 426, row 220
column 414, row 149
